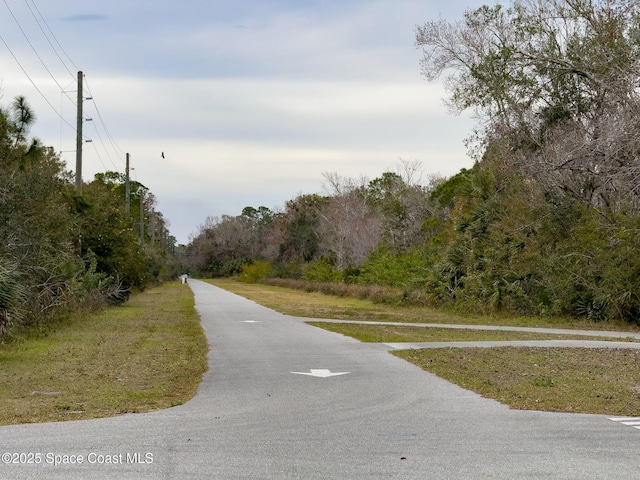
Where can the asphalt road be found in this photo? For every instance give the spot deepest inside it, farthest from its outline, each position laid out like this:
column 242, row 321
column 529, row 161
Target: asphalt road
column 253, row 418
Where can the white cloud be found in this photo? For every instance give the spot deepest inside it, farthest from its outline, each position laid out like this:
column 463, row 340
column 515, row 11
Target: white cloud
column 267, row 138
column 250, row 101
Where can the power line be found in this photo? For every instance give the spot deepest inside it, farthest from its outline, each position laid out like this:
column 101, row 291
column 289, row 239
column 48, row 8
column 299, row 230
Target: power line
column 115, row 146
column 33, row 48
column 99, row 157
column 47, row 37
column 105, row 148
column 34, row 84
column 54, row 37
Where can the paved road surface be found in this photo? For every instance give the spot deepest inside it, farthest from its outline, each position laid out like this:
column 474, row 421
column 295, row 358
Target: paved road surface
column 254, row 419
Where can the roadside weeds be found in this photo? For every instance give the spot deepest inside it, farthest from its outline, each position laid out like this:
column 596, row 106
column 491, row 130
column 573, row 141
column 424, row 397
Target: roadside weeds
column 147, row 354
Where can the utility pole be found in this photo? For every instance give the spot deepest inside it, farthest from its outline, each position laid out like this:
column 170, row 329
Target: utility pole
column 79, row 136
column 127, row 189
column 142, row 217
column 152, row 227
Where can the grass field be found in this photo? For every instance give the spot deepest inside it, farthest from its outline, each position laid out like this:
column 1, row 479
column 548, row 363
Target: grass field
column 147, row 354
column 576, row 380
column 402, row 333
column 318, row 305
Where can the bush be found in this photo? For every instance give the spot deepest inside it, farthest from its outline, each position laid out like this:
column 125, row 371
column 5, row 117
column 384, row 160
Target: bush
column 375, row 293
column 400, row 270
column 598, row 271
column 321, row 271
column 254, row 272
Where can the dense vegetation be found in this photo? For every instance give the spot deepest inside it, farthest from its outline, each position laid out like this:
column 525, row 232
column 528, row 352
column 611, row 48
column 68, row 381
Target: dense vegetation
column 62, row 250
column 547, row 220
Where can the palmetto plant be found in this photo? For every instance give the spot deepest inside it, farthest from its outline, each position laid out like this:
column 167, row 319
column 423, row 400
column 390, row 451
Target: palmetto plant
column 12, row 296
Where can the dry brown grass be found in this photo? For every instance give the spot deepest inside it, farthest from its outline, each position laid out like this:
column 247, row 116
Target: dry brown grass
column 147, row 354
column 400, row 333
column 298, row 302
column 577, row 380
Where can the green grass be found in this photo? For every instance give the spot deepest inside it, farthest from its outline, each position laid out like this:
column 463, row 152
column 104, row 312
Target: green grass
column 577, row 380
column 400, row 333
column 318, row 305
column 147, row 354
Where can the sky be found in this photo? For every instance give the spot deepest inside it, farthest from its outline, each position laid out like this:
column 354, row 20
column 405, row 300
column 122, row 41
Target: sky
column 250, row 101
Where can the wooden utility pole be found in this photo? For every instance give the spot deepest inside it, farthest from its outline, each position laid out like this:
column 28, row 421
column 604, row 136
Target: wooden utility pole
column 152, row 227
column 127, row 189
column 141, row 217
column 79, row 136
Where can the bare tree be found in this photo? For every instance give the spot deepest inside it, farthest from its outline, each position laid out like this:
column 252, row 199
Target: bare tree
column 555, row 85
column 350, row 228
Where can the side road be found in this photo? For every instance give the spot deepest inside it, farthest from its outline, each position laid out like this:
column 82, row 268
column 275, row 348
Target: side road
column 514, row 343
column 558, row 331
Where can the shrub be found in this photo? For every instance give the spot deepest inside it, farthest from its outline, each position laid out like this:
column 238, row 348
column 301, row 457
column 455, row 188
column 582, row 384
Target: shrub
column 401, row 270
column 321, row 271
column 254, row 272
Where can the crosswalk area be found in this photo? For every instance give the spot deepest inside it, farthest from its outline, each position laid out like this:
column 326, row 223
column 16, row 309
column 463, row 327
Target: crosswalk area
column 630, row 421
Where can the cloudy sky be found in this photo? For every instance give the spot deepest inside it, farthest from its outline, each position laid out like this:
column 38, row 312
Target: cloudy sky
column 250, row 100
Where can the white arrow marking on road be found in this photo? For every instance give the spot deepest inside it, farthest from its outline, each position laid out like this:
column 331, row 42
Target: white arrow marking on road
column 321, row 372
column 631, row 421
column 251, row 321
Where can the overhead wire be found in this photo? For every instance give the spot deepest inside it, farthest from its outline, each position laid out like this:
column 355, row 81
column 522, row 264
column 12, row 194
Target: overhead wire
column 104, row 146
column 34, row 83
column 54, row 37
column 98, row 155
column 47, row 37
column 34, row 48
column 114, row 146
column 110, row 138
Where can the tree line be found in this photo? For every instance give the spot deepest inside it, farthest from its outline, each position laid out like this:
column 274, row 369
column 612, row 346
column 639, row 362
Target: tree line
column 546, row 222
column 61, row 250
